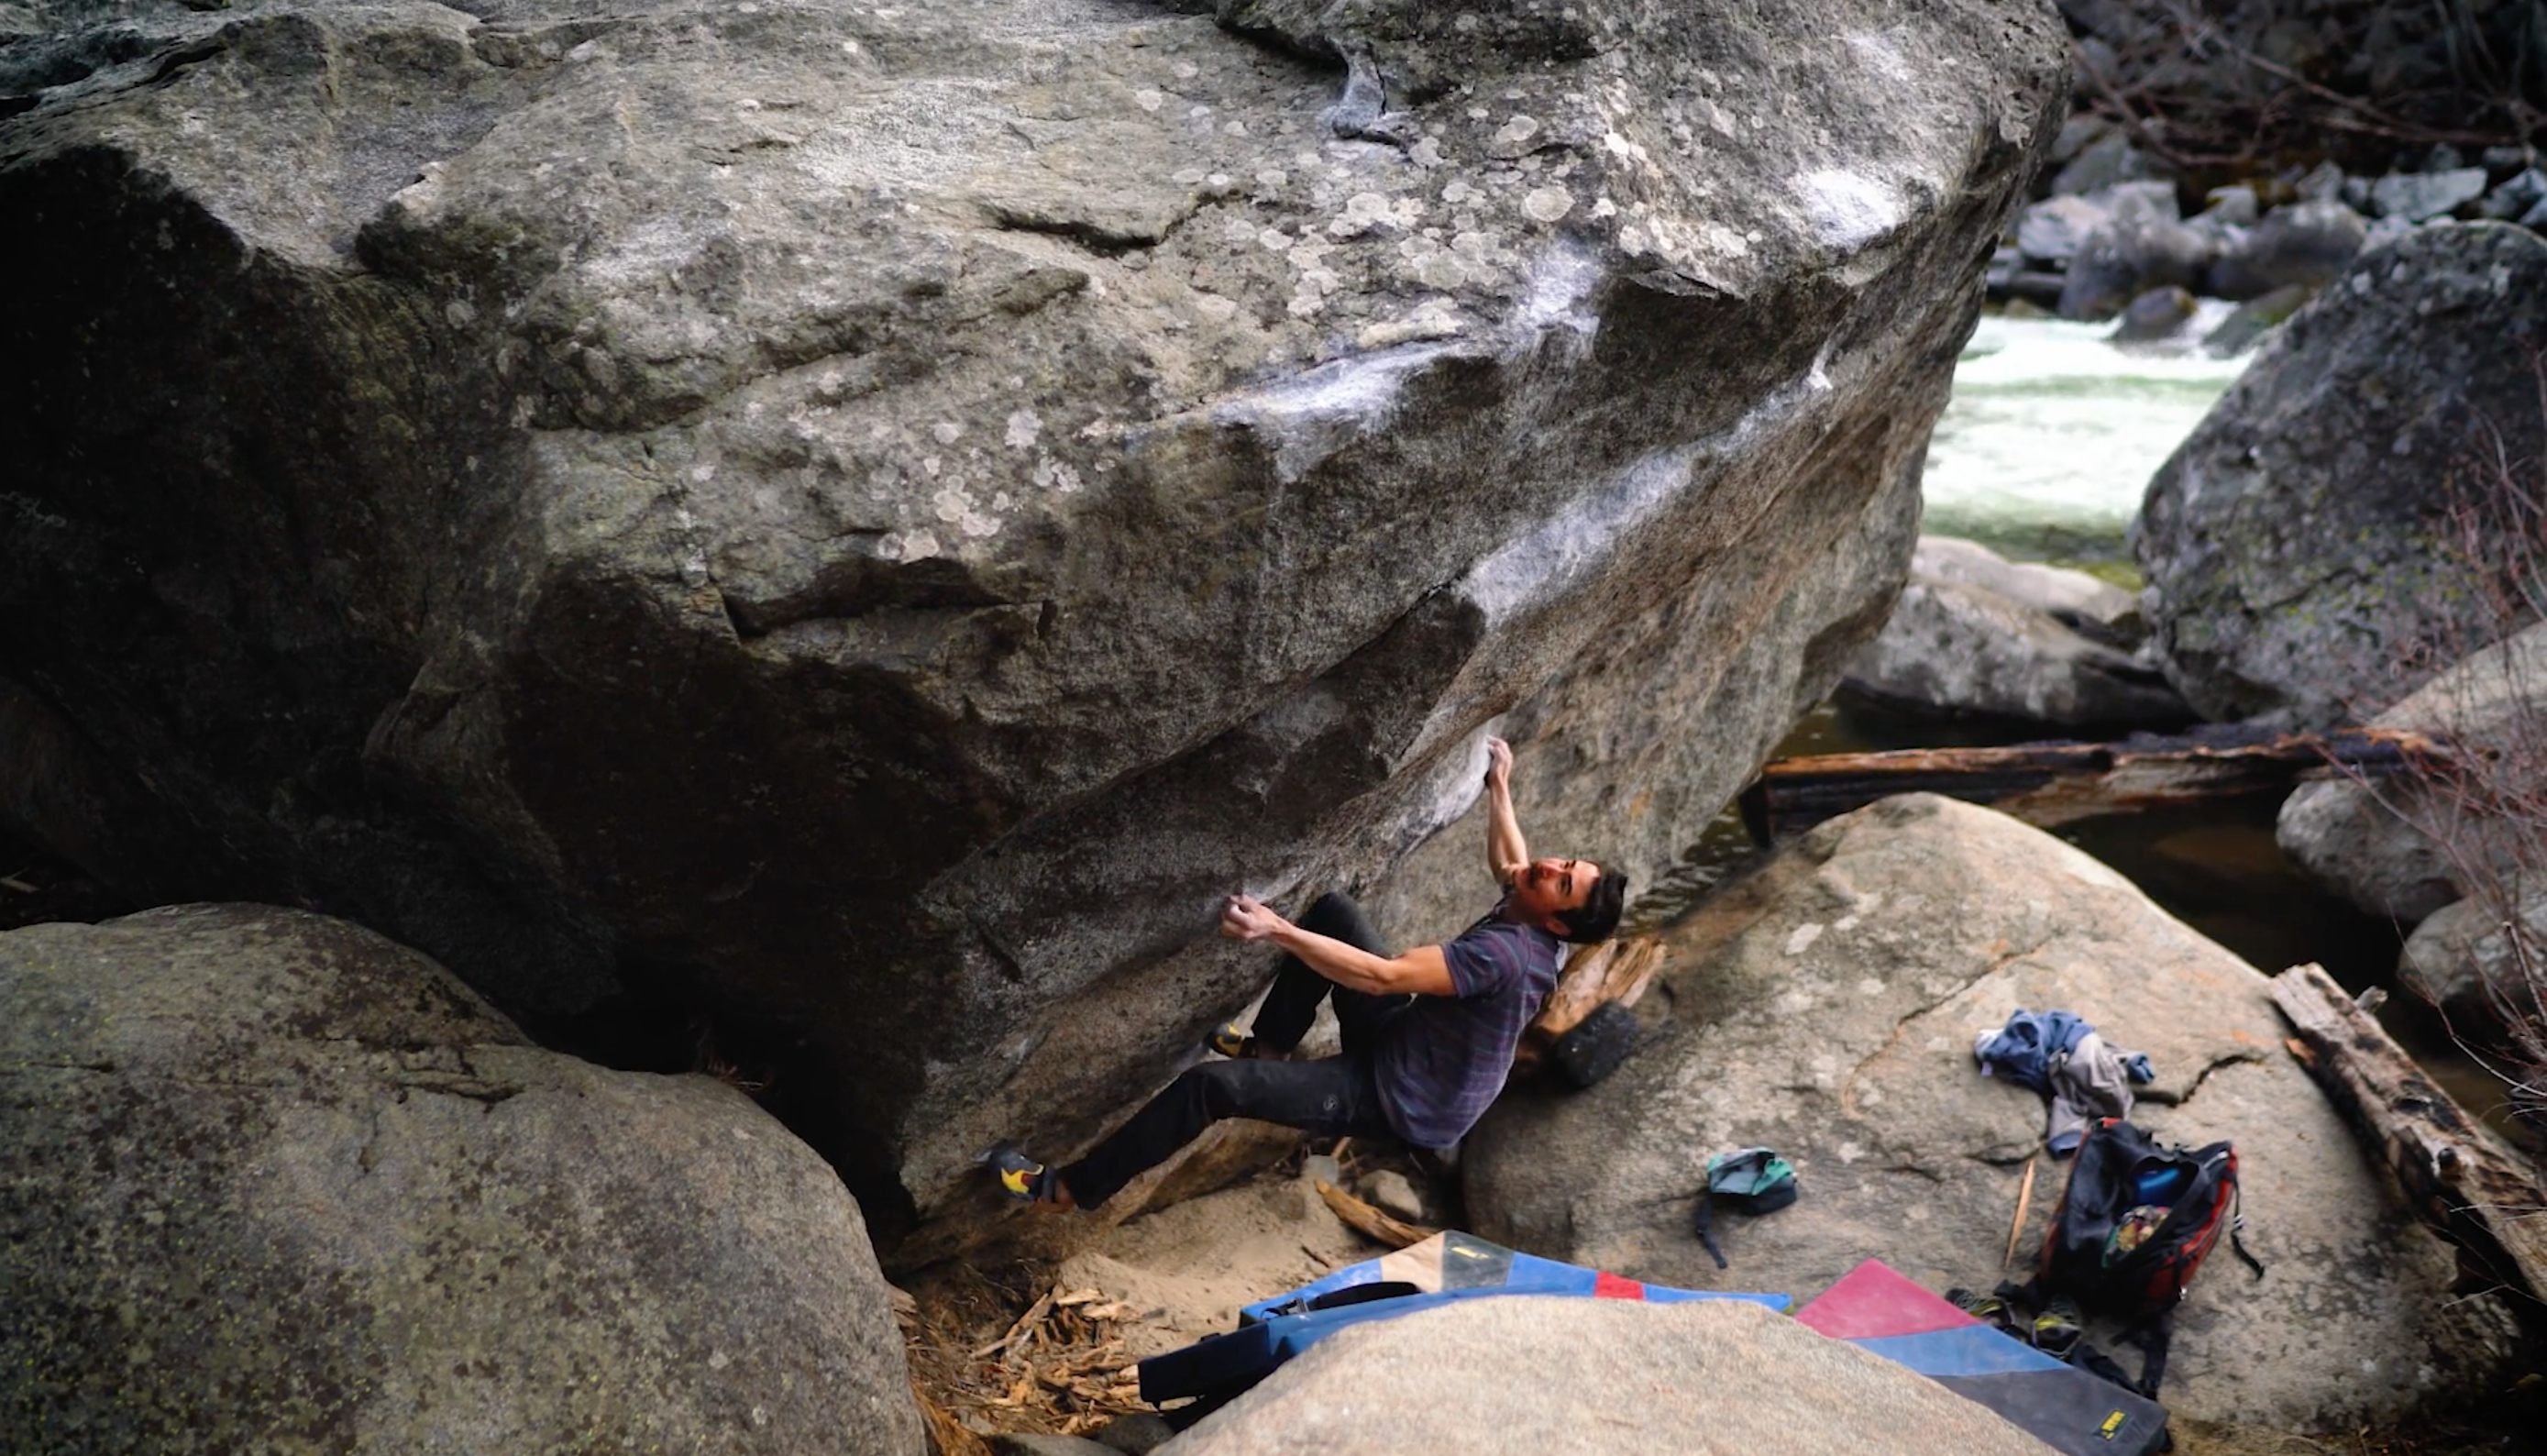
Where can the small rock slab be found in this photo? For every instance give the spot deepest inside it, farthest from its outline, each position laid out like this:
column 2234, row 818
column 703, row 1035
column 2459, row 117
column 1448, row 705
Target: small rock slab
column 1827, row 1007
column 1973, row 633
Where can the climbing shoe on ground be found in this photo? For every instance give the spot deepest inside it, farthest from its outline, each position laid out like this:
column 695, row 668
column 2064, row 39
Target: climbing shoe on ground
column 1990, row 1308
column 1022, row 1179
column 1227, row 1040
column 2057, row 1327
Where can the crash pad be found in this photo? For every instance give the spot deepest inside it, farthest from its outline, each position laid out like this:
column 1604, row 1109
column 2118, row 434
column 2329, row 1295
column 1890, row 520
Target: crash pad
column 1442, row 1269
column 1884, row 1312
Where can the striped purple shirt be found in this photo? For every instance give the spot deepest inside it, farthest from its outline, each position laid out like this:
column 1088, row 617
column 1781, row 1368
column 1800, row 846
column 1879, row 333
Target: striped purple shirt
column 1440, row 1062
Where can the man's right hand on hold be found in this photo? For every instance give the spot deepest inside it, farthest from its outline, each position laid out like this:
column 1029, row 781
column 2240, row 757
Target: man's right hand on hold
column 1245, row 918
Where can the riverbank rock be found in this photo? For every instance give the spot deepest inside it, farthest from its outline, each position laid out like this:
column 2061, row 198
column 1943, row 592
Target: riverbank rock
column 2478, row 958
column 2306, row 244
column 1973, row 633
column 2253, row 321
column 2160, row 313
column 2049, row 231
column 2075, row 598
column 1583, row 1377
column 277, row 1183
column 866, row 523
column 1827, row 1007
column 2293, row 545
column 2402, row 849
column 2143, row 244
column 2420, row 197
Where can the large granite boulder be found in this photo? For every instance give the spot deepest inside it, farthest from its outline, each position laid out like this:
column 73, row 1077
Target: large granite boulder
column 862, row 523
column 1584, row 1377
column 2296, row 546
column 2403, row 847
column 275, row 1183
column 1827, row 1007
column 1977, row 634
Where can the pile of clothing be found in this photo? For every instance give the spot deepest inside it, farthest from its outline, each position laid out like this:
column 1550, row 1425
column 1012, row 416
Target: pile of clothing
column 2061, row 1057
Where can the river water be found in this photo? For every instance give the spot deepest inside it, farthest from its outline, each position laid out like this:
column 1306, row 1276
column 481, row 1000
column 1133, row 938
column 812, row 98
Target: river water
column 2044, row 453
column 2053, row 434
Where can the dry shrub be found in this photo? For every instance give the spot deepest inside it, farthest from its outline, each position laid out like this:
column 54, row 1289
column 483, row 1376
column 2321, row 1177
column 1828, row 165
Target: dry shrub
column 2485, row 804
column 2240, row 88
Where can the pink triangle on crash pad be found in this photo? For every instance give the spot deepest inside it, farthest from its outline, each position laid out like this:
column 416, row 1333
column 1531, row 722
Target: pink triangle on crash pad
column 1871, row 1300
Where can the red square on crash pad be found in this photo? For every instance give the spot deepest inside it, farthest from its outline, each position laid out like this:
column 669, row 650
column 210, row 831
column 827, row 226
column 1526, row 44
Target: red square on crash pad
column 1872, row 1301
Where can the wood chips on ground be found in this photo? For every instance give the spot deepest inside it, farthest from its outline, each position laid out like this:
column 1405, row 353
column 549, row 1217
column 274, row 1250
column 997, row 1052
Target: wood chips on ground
column 1059, row 1368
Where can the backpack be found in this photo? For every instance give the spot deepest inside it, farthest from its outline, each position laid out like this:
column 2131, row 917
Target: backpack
column 1596, row 1046
column 2135, row 1222
column 1751, row 1180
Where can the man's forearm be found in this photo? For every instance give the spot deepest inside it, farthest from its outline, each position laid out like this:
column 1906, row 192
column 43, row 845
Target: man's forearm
column 1504, row 845
column 1423, row 970
column 1347, row 965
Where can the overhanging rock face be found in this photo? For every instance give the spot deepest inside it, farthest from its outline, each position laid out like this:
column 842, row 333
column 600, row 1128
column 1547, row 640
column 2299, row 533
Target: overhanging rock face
column 867, row 520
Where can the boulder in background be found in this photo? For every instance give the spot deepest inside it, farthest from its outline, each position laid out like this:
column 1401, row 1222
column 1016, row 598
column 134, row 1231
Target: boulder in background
column 1975, row 633
column 2469, row 959
column 2402, row 849
column 2299, row 572
column 2308, row 243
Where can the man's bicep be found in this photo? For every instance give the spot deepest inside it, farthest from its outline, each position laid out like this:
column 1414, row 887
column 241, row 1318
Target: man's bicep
column 1426, row 971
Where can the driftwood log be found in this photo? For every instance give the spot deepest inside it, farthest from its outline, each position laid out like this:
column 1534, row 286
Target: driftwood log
column 1605, row 970
column 2047, row 783
column 1369, row 1222
column 2462, row 1182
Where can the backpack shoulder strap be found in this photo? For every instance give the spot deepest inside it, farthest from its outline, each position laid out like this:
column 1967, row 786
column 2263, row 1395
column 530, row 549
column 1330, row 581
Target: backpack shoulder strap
column 1707, row 1235
column 2237, row 1222
column 2153, row 1338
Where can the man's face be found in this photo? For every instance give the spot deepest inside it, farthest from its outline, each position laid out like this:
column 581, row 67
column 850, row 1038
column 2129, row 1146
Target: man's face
column 1548, row 886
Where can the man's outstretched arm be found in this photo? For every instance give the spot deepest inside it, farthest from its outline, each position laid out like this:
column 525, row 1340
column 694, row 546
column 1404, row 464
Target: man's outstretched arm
column 1422, row 970
column 1506, row 853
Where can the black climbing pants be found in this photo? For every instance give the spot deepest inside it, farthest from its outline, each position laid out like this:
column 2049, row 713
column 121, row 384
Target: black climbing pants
column 1335, row 1096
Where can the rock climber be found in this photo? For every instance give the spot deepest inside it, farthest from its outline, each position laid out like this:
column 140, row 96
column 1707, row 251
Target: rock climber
column 1428, row 1035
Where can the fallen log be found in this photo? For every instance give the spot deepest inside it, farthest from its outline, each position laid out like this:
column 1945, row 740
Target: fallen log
column 2472, row 1191
column 2053, row 783
column 1602, row 972
column 1369, row 1222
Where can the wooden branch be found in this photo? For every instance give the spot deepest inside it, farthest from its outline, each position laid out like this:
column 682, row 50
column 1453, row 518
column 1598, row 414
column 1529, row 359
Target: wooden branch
column 1369, row 1222
column 1605, row 970
column 2024, row 1204
column 2453, row 1173
column 2053, row 783
column 1007, row 1345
